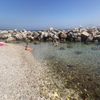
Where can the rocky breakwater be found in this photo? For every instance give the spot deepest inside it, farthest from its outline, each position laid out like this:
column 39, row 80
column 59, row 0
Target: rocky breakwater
column 84, row 35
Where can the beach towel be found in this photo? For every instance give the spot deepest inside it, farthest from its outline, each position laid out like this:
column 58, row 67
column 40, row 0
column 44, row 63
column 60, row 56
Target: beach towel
column 2, row 44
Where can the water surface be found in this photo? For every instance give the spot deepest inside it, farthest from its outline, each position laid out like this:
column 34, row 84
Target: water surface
column 72, row 53
column 76, row 65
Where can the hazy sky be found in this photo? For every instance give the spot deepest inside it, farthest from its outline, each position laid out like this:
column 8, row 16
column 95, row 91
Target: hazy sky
column 36, row 14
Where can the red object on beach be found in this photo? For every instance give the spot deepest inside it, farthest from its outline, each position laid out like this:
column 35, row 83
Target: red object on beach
column 29, row 49
column 2, row 44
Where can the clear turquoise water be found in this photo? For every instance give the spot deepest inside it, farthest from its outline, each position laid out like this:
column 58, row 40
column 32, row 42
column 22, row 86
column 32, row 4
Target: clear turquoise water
column 79, row 54
column 76, row 65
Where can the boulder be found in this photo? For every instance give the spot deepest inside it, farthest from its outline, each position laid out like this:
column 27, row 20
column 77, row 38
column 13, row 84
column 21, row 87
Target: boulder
column 19, row 36
column 61, row 48
column 85, row 33
column 10, row 39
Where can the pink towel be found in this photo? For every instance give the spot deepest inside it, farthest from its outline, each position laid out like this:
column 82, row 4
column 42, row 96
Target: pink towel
column 2, row 44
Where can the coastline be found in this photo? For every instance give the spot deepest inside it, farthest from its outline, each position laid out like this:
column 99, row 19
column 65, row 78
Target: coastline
column 23, row 77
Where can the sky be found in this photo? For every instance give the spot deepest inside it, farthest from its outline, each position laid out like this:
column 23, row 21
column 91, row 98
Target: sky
column 42, row 14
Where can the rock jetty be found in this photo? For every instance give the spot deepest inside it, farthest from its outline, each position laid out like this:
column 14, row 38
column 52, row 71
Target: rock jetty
column 83, row 35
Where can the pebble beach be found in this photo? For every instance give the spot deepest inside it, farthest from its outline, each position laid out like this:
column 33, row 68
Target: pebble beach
column 19, row 74
column 23, row 77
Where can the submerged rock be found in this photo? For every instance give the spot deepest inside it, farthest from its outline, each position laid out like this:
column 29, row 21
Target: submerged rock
column 78, row 52
column 70, row 66
column 69, row 46
column 36, row 42
column 95, row 48
column 61, row 48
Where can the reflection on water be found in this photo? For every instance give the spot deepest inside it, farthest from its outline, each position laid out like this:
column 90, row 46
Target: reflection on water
column 77, row 66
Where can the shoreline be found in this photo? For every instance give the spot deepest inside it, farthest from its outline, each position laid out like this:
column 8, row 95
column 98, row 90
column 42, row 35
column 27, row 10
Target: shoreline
column 25, row 78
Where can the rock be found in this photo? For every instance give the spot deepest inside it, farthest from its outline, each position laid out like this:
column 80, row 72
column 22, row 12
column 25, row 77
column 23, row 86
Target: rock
column 61, row 48
column 85, row 33
column 10, row 39
column 95, row 48
column 78, row 52
column 69, row 46
column 36, row 42
column 19, row 36
column 70, row 66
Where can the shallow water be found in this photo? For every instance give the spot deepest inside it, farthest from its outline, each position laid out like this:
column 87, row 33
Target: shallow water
column 73, row 70
column 74, row 54
column 76, row 65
